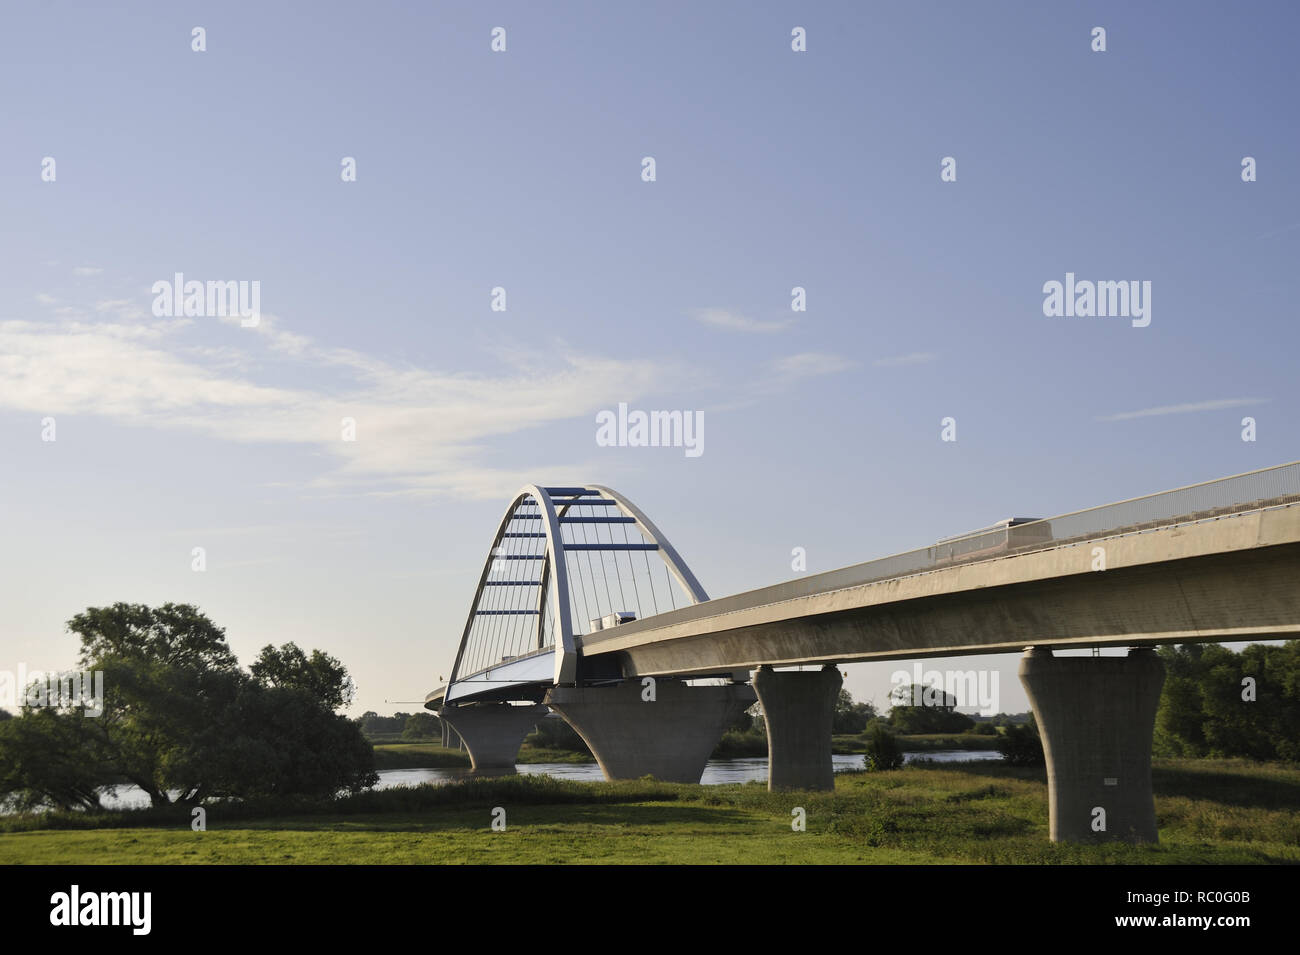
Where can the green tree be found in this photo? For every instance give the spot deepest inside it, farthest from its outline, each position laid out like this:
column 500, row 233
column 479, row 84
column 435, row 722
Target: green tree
column 1207, row 709
column 183, row 722
column 1020, row 745
column 851, row 717
column 422, row 726
column 47, row 759
column 936, row 712
column 281, row 741
column 324, row 677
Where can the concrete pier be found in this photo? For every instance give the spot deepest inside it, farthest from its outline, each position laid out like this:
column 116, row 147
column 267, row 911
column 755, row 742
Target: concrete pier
column 1096, row 716
column 799, row 709
column 670, row 738
column 493, row 732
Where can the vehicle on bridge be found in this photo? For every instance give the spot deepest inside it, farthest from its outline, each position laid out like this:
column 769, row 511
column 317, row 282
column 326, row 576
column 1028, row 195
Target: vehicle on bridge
column 1004, row 537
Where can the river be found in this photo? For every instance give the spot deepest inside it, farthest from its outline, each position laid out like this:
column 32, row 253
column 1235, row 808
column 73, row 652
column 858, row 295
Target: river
column 718, row 771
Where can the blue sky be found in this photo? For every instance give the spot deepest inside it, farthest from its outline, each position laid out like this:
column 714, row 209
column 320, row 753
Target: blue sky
column 522, row 169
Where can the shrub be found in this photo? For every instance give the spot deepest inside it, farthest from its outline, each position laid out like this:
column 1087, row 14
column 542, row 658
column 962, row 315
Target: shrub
column 1021, row 746
column 883, row 751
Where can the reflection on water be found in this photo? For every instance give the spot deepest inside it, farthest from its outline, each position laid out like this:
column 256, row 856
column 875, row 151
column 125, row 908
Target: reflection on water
column 718, row 771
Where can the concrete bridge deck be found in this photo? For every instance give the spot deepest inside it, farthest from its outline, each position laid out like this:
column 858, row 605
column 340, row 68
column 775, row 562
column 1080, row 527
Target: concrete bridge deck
column 1232, row 577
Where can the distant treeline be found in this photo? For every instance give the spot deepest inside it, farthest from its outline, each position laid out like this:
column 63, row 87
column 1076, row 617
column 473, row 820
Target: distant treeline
column 1217, row 702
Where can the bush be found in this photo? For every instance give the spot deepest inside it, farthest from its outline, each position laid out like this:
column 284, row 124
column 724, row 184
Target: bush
column 985, row 729
column 554, row 733
column 740, row 745
column 1021, row 746
column 883, row 752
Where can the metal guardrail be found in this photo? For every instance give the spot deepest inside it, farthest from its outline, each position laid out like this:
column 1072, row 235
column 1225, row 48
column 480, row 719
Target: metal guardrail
column 1255, row 490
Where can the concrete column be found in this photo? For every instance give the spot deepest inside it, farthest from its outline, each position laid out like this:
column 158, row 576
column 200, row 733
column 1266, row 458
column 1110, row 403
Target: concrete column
column 1096, row 716
column 492, row 732
column 799, row 709
column 670, row 737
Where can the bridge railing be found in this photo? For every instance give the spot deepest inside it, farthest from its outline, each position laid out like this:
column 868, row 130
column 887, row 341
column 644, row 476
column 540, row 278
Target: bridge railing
column 1254, row 490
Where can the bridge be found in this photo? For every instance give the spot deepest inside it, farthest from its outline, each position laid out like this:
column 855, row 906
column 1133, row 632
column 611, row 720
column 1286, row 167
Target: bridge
column 586, row 609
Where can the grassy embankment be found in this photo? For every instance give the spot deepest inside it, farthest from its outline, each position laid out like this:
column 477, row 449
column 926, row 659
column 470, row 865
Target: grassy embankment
column 1208, row 811
column 425, row 755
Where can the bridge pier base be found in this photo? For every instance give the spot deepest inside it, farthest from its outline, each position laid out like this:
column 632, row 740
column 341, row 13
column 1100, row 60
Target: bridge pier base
column 799, row 709
column 493, row 732
column 1096, row 716
column 669, row 737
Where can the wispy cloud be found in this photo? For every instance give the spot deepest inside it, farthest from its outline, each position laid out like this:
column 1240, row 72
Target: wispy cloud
column 1217, row 405
column 729, row 318
column 914, row 358
column 86, row 270
column 1279, row 231
column 810, row 365
column 418, row 430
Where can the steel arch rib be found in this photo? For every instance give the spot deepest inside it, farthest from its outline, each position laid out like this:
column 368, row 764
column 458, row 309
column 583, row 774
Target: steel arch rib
column 666, row 550
column 566, row 659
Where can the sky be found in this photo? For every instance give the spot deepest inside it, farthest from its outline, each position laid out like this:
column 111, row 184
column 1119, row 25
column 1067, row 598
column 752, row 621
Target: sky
column 523, row 169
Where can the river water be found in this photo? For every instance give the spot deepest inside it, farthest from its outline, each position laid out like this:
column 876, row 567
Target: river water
column 716, row 772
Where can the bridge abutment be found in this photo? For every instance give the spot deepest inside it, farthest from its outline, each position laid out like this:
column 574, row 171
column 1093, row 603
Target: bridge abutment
column 668, row 734
column 493, row 732
column 1096, row 717
column 799, row 709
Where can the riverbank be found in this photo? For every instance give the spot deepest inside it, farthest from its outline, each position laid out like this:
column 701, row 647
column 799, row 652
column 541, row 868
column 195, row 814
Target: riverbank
column 1210, row 811
column 431, row 755
column 435, row 756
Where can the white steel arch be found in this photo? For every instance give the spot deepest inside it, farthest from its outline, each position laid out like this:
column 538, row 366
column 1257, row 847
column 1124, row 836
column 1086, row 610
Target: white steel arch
column 552, row 505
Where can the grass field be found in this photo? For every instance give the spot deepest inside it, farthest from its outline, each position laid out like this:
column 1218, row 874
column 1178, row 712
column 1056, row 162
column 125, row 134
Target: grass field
column 1209, row 812
column 434, row 756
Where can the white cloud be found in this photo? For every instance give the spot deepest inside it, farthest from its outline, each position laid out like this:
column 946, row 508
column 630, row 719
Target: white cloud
column 419, row 430
column 810, row 365
column 1184, row 409
column 727, row 318
column 86, row 270
column 914, row 358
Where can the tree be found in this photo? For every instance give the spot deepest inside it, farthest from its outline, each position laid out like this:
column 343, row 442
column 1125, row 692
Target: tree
column 324, row 677
column 1219, row 703
column 183, row 722
column 851, row 717
column 281, row 741
column 936, row 714
column 46, row 759
column 551, row 732
column 171, row 635
column 1021, row 746
column 372, row 724
column 422, row 726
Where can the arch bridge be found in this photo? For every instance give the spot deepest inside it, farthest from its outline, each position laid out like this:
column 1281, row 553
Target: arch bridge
column 583, row 607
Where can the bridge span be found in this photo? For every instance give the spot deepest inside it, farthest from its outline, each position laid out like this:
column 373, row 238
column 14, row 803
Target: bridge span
column 1217, row 561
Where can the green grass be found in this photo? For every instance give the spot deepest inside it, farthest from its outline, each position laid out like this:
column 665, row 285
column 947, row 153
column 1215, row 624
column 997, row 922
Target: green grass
column 1228, row 811
column 541, row 754
column 418, row 756
column 413, row 755
column 927, row 742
